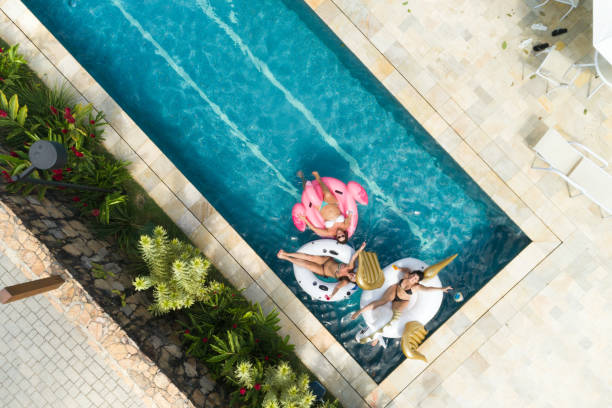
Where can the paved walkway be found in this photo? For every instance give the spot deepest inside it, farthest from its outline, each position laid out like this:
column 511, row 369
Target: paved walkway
column 45, row 361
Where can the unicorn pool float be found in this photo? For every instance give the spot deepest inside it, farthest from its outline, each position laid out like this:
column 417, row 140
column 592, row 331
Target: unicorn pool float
column 409, row 323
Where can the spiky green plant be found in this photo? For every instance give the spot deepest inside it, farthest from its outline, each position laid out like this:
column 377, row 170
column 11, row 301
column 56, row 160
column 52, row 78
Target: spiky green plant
column 276, row 387
column 177, row 272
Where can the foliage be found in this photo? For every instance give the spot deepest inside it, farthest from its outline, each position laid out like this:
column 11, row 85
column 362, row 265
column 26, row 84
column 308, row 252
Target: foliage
column 12, row 64
column 273, row 387
column 177, row 272
column 226, row 328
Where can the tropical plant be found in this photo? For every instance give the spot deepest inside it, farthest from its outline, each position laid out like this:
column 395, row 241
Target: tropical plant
column 226, row 328
column 177, row 272
column 273, row 387
column 12, row 64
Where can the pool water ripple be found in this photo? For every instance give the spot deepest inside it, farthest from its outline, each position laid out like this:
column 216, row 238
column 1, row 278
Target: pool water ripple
column 241, row 94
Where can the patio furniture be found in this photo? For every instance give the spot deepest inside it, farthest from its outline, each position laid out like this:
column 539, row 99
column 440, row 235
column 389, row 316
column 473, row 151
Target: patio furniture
column 557, row 69
column 576, row 169
column 572, row 3
column 603, row 70
column 602, row 41
column 602, row 28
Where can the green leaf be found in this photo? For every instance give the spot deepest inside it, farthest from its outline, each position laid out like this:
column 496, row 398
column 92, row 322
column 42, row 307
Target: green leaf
column 3, row 101
column 21, row 116
column 585, row 111
column 13, row 107
column 504, row 45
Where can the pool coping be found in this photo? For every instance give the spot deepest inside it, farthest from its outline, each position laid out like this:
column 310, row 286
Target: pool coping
column 456, row 339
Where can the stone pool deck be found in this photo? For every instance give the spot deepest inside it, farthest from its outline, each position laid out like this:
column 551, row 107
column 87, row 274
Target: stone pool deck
column 529, row 337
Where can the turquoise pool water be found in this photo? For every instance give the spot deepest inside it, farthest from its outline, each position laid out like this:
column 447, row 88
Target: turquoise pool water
column 241, row 94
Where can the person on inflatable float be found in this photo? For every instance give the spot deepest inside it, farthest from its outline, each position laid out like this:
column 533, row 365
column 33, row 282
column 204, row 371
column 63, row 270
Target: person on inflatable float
column 325, row 266
column 399, row 295
column 336, row 225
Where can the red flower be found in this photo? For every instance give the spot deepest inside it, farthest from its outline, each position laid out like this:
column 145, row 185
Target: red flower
column 67, row 111
column 58, row 177
column 256, row 340
column 53, row 110
column 61, row 188
column 1, row 49
column 64, row 131
column 76, row 199
column 92, row 135
column 78, row 154
column 278, row 356
column 92, row 122
column 68, row 169
column 266, row 358
column 242, row 391
column 70, row 119
column 13, row 154
column 2, row 114
column 187, row 331
column 233, row 294
column 84, row 204
column 95, row 212
column 57, row 171
column 3, row 172
column 234, row 326
column 1, row 79
column 204, row 339
column 257, row 386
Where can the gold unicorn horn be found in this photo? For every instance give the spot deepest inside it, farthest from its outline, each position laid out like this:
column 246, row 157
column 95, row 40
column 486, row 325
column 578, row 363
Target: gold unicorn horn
column 433, row 270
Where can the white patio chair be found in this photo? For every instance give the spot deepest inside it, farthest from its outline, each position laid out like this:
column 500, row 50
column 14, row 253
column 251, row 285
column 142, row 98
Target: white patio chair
column 557, row 70
column 572, row 3
column 576, row 169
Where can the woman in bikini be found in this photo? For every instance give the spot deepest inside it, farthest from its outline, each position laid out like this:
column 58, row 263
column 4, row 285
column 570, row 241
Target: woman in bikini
column 325, row 266
column 399, row 296
column 336, row 224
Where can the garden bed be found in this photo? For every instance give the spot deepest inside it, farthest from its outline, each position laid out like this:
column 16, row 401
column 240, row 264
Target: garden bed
column 236, row 351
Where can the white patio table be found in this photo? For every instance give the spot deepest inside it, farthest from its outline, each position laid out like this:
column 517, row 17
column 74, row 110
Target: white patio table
column 602, row 40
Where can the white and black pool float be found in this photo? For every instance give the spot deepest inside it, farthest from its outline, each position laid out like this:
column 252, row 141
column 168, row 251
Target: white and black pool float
column 422, row 307
column 312, row 284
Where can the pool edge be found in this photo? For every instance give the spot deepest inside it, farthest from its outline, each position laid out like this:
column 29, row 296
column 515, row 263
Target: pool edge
column 216, row 238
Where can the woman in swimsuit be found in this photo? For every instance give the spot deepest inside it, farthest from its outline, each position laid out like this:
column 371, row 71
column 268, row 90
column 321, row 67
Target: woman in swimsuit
column 325, row 266
column 336, row 224
column 399, row 296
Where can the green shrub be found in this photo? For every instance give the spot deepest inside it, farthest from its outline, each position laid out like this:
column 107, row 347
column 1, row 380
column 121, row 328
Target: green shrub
column 226, row 328
column 177, row 272
column 277, row 386
column 12, row 68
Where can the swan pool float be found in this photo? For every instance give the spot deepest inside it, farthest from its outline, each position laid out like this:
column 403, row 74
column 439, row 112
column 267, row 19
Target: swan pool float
column 312, row 196
column 312, row 284
column 422, row 307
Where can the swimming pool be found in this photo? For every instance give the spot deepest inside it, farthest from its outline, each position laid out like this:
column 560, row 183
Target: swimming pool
column 240, row 95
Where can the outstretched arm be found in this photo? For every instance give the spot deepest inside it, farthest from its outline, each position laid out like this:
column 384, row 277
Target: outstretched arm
column 318, row 231
column 341, row 283
column 351, row 263
column 347, row 220
column 445, row 289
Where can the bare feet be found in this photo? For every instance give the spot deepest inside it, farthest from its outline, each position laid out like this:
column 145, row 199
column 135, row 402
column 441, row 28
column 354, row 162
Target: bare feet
column 300, row 174
column 316, row 174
